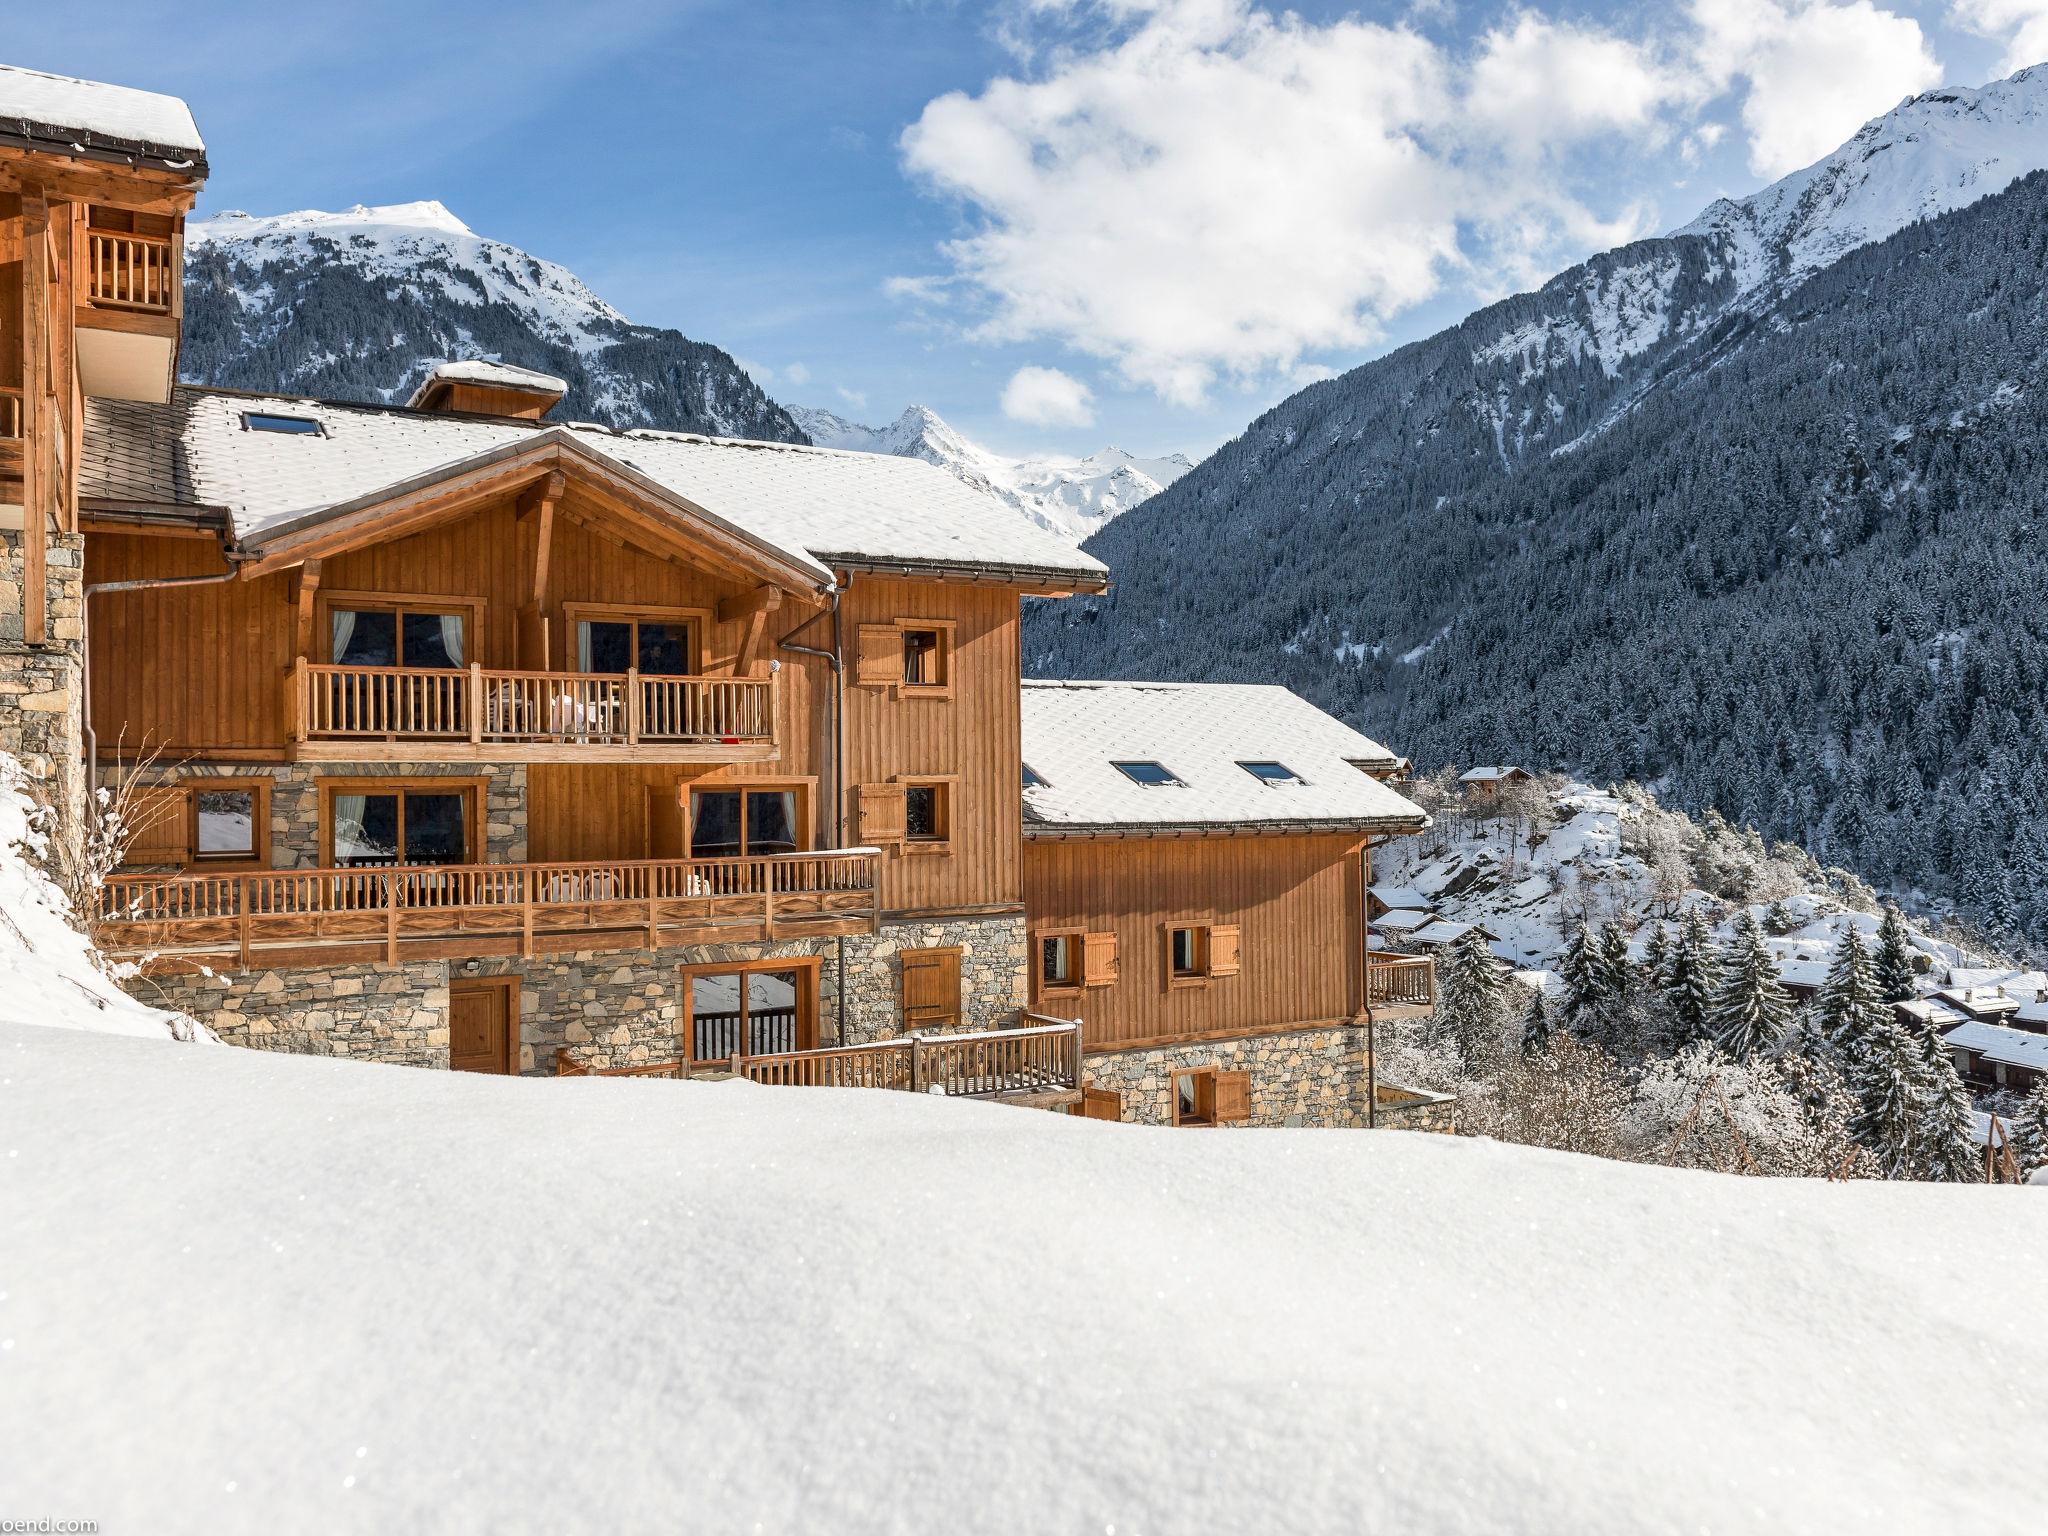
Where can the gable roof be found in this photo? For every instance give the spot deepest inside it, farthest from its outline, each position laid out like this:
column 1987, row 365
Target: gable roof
column 1489, row 775
column 193, row 458
column 1076, row 732
column 1399, row 897
column 91, row 119
column 1404, row 919
column 496, row 375
column 1995, row 1042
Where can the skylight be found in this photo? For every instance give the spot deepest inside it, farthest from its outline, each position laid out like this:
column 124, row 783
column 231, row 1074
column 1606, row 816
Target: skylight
column 1033, row 779
column 1152, row 775
column 300, row 426
column 1272, row 773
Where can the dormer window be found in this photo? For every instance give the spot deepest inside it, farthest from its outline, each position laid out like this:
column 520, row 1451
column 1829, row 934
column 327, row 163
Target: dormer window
column 1033, row 779
column 293, row 426
column 1151, row 775
column 1272, row 773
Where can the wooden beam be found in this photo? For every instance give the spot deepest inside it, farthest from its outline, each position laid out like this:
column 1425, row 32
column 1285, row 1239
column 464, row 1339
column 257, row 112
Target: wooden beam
column 36, row 425
column 540, row 501
column 136, row 189
column 305, row 590
column 763, row 599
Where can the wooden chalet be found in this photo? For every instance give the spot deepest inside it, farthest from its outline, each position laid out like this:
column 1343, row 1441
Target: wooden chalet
column 454, row 735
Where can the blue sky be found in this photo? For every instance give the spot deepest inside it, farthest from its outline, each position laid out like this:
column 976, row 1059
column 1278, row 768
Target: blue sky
column 1057, row 222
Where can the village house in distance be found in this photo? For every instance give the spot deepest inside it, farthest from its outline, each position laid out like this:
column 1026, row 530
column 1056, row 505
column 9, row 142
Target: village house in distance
column 451, row 735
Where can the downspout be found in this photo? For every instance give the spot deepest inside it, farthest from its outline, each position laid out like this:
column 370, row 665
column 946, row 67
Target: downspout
column 93, row 590
column 1372, row 1049
column 833, row 658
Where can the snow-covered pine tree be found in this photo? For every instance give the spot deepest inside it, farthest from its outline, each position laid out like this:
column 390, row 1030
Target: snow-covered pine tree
column 1690, row 979
column 1751, row 1011
column 1471, row 1004
column 1892, row 969
column 1887, row 1074
column 1946, row 1151
column 1536, row 1026
column 1617, row 970
column 1777, row 920
column 1583, row 981
column 1656, row 953
column 1848, row 1009
column 2030, row 1130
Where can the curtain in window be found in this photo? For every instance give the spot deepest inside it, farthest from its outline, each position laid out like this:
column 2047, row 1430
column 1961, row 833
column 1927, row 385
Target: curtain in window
column 451, row 637
column 583, row 645
column 341, row 624
column 348, row 825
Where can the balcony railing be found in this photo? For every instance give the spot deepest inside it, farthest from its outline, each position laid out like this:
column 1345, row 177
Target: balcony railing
column 1399, row 981
column 492, row 908
column 130, row 271
column 480, row 711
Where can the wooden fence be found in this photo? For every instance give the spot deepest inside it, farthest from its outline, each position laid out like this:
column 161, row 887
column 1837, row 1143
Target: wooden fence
column 1039, row 1057
column 130, row 271
column 1399, row 981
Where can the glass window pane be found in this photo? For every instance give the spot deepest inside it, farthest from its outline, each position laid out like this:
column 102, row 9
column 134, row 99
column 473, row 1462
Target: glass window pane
column 605, row 647
column 665, row 649
column 1151, row 774
column 433, row 829
column 921, row 658
column 1183, row 951
column 714, row 1016
column 227, row 821
column 370, row 838
column 1189, row 1092
column 1056, row 961
column 366, row 638
column 771, row 821
column 714, row 824
column 921, row 814
column 771, row 1012
column 433, row 640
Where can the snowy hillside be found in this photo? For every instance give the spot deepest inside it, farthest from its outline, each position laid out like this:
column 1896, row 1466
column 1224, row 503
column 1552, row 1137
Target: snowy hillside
column 351, row 1297
column 1072, row 497
column 360, row 304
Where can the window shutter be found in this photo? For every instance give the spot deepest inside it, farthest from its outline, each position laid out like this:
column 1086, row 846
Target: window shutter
column 880, row 662
column 881, row 814
column 931, row 988
column 1233, row 1096
column 156, row 826
column 1101, row 1104
column 1223, row 949
column 1098, row 960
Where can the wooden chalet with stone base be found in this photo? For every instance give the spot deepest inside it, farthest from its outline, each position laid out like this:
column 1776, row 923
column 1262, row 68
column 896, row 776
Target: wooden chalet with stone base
column 452, row 735
column 1195, row 864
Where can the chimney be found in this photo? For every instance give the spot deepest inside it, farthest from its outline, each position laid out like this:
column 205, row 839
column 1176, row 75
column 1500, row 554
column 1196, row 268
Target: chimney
column 478, row 388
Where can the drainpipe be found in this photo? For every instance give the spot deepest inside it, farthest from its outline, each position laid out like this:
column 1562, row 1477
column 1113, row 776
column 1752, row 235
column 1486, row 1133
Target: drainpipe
column 93, row 590
column 835, row 659
column 1372, row 1048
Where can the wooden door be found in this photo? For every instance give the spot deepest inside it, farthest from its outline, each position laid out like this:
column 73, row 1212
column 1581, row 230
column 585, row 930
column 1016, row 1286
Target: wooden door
column 483, row 1025
column 1100, row 1104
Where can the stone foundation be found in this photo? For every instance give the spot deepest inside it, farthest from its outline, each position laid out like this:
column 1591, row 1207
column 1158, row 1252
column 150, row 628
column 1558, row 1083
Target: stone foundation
column 1416, row 1109
column 41, row 686
column 390, row 1013
column 1314, row 1077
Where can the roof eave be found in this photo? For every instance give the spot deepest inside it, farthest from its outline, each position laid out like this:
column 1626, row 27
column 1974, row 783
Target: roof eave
column 1003, row 573
column 78, row 144
column 1392, row 826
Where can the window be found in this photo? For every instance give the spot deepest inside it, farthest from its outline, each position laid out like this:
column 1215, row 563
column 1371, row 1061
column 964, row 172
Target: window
column 230, row 821
column 1188, row 952
column 1198, row 953
column 296, row 426
column 1194, row 1096
column 1152, row 775
column 926, row 815
column 662, row 643
column 756, row 1010
column 731, row 823
column 1272, row 773
column 1059, row 961
column 377, row 824
column 924, row 658
column 367, row 634
column 1033, row 779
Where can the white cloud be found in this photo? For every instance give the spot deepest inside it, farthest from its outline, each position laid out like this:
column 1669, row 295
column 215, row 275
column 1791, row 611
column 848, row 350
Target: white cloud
column 797, row 373
column 2022, row 25
column 1812, row 74
column 857, row 398
column 1046, row 397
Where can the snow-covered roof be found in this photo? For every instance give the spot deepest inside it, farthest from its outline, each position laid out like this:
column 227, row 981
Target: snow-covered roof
column 814, row 504
column 1075, row 733
column 1439, row 932
column 496, row 375
column 1491, row 774
column 1995, row 1042
column 1979, row 1000
column 1929, row 1013
column 83, row 116
column 1803, row 973
column 1398, row 896
column 1404, row 919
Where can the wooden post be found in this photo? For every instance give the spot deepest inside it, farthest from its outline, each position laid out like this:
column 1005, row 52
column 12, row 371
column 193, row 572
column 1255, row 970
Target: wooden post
column 391, row 882
column 632, row 706
column 242, row 919
column 36, row 426
column 476, row 704
column 299, row 699
column 767, row 898
column 526, row 913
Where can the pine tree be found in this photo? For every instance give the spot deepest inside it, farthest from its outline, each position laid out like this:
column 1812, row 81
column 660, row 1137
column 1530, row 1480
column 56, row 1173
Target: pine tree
column 1656, row 953
column 1776, row 919
column 1848, row 1008
column 1690, row 979
column 1471, row 999
column 1751, row 1010
column 1536, row 1026
column 1893, row 968
column 1887, row 1075
column 1617, row 970
column 2030, row 1130
column 1580, row 968
column 1944, row 1146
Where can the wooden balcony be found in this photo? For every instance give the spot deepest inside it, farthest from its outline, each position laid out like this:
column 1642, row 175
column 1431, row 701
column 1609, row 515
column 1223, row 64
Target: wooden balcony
column 131, row 272
column 1037, row 1063
column 1398, row 984
column 289, row 917
column 482, row 714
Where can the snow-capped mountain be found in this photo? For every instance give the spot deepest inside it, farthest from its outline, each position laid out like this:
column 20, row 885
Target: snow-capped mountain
column 1072, row 497
column 360, row 304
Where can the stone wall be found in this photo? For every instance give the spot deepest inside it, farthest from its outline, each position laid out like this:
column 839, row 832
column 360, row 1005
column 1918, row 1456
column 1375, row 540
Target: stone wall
column 391, row 1013
column 41, row 687
column 1313, row 1077
column 1416, row 1109
column 994, row 979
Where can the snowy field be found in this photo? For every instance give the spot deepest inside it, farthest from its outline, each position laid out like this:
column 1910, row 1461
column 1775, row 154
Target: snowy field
column 249, row 1292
